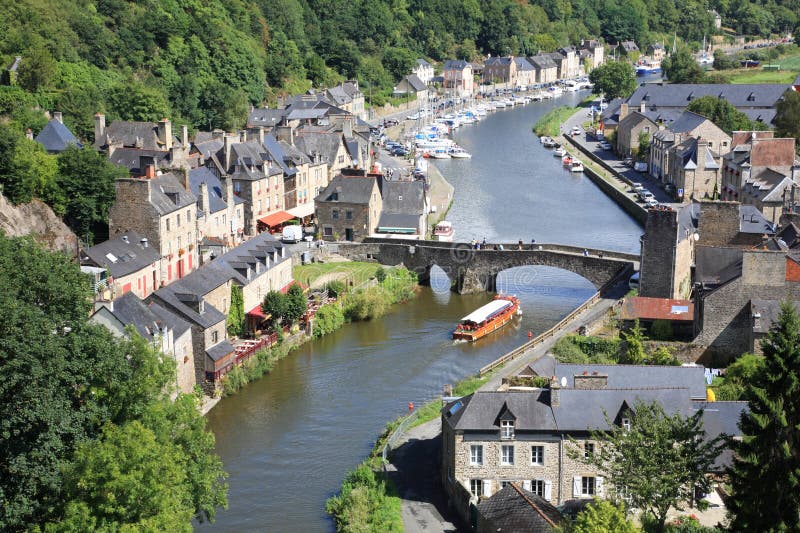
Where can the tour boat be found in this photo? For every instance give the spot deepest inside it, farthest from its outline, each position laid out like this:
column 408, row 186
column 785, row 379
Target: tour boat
column 577, row 166
column 549, row 143
column 443, row 231
column 487, row 319
column 559, row 152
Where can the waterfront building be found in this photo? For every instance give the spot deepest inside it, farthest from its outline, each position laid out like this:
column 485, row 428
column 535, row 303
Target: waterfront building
column 490, row 439
column 405, row 208
column 423, row 70
column 219, row 212
column 412, row 85
column 631, row 125
column 457, row 76
column 595, row 50
column 500, row 70
column 131, row 264
column 546, row 68
column 349, row 208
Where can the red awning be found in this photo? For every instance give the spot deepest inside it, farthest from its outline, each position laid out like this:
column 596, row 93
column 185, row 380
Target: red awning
column 257, row 312
column 276, row 218
column 285, row 288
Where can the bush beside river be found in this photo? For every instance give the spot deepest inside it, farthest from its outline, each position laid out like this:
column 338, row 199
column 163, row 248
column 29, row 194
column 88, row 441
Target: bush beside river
column 550, row 123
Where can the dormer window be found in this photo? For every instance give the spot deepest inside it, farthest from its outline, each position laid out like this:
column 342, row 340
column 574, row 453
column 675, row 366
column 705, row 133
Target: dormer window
column 626, row 423
column 201, row 306
column 506, row 429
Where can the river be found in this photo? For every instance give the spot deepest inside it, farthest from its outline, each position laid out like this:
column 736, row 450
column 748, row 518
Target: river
column 288, row 439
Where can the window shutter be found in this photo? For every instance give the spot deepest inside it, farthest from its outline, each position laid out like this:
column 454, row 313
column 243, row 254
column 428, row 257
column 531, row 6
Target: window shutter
column 548, row 490
column 576, row 486
column 599, row 485
column 487, row 487
column 526, row 484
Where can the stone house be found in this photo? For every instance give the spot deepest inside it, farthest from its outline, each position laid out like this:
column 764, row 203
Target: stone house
column 526, row 73
column 717, row 19
column 160, row 208
column 694, row 169
column 491, row 439
column 570, row 66
column 656, row 51
column 596, row 52
column 349, row 208
column 219, row 212
column 412, row 85
column 132, row 264
column 423, row 70
column 687, row 125
column 760, row 170
column 546, row 68
column 500, row 70
column 629, row 48
column 126, row 142
column 458, row 77
column 55, row 137
column 170, row 334
column 405, row 209
column 203, row 300
column 328, row 145
column 630, row 127
column 515, row 508
column 347, row 96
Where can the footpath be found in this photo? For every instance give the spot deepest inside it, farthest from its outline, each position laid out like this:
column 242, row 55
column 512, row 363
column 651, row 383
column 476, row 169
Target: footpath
column 415, row 466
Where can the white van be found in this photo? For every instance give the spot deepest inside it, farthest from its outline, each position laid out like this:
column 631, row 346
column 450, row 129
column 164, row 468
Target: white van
column 633, row 283
column 292, row 234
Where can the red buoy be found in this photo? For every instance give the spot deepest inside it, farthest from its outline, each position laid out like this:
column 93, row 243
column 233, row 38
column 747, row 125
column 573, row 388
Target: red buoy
column 410, row 406
column 530, row 334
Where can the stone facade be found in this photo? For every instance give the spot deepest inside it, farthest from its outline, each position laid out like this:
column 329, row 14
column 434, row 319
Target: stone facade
column 342, row 217
column 274, row 278
column 458, row 77
column 628, row 131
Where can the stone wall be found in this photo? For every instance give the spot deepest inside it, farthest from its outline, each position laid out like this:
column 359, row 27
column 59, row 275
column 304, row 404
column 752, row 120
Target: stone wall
column 718, row 223
column 184, row 362
column 133, row 211
column 361, row 221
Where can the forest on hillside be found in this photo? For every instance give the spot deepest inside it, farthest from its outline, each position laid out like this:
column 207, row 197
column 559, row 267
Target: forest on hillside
column 204, row 62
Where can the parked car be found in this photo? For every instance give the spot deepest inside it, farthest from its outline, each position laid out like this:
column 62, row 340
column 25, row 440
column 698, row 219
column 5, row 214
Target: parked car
column 628, row 161
column 605, row 145
column 390, row 122
column 640, row 166
column 399, row 151
column 292, row 234
column 646, row 195
column 636, row 187
column 651, row 202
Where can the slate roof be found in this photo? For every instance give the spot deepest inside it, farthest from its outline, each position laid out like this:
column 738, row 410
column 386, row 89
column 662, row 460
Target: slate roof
column 235, row 263
column 629, row 46
column 217, row 200
column 423, row 63
column 769, row 310
column 398, row 220
column 415, row 83
column 168, row 195
column 455, row 64
column 480, row 410
column 148, row 319
column 122, row 258
column 715, row 266
column 751, row 220
column 542, row 61
column 210, row 146
column 514, row 509
column 142, row 135
column 347, row 190
column 131, row 158
column 585, row 409
column 56, row 137
column 523, row 64
column 318, row 142
column 721, row 418
column 178, row 295
column 407, row 197
column 220, row 350
column 639, row 376
column 265, row 117
column 277, row 155
column 338, row 95
column 497, row 60
column 687, row 122
column 688, row 218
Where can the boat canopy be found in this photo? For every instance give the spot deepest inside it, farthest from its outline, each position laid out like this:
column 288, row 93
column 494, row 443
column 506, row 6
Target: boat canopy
column 487, row 311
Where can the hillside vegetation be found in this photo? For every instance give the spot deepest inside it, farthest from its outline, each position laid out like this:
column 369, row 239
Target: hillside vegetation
column 205, row 62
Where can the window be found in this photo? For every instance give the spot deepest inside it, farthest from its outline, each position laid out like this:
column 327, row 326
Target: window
column 588, row 486
column 588, row 450
column 237, row 187
column 188, row 214
column 189, row 238
column 506, row 429
column 476, row 455
column 335, row 214
column 327, row 231
column 223, row 219
column 476, row 487
column 167, row 221
column 537, row 487
column 341, row 159
column 214, row 337
column 504, row 484
column 179, row 242
column 348, row 214
column 537, row 455
column 178, row 220
column 626, row 423
column 507, row 455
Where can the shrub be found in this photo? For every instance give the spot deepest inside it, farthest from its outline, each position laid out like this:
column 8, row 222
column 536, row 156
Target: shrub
column 335, row 288
column 662, row 356
column 329, row 318
column 380, row 274
column 366, row 304
column 365, row 503
column 567, row 351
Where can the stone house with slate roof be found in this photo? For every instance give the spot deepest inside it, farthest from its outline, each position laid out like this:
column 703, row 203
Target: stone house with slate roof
column 423, row 70
column 515, row 508
column 131, row 262
column 761, row 170
column 457, row 76
column 162, row 328
column 526, row 73
column 490, row 439
column 687, row 125
column 142, row 138
column 546, row 68
column 411, row 84
column 347, row 96
column 349, row 208
column 596, row 52
column 160, row 207
column 499, row 70
column 220, row 213
column 329, row 146
column 55, row 136
column 630, row 126
column 405, row 209
column 629, row 47
column 695, row 169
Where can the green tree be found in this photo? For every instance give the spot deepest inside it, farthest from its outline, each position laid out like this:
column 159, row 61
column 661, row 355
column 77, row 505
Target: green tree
column 722, row 113
column 615, row 79
column 787, row 116
column 26, row 170
column 681, row 67
column 643, row 152
column 634, row 344
column 296, row 303
column 275, row 304
column 658, row 462
column 127, row 479
column 602, row 516
column 236, row 313
column 86, row 190
column 37, row 70
column 723, row 61
column 765, row 475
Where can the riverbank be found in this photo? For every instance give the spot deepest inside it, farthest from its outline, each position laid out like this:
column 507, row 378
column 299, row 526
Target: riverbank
column 550, row 123
column 441, row 196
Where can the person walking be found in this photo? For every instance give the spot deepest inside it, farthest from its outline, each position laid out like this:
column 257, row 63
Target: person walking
column 533, row 243
column 585, row 252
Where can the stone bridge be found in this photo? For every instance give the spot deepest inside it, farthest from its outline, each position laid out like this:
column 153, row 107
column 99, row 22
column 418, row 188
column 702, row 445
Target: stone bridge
column 471, row 270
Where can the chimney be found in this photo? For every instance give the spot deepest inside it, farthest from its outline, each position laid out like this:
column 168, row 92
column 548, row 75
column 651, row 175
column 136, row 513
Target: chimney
column 99, row 129
column 57, row 116
column 29, row 134
column 202, row 198
column 347, row 128
column 261, row 134
column 623, row 110
column 285, row 133
column 143, row 242
column 642, row 106
column 229, row 191
column 183, row 178
column 165, row 133
column 555, row 392
column 593, row 381
column 150, row 171
column 185, row 136
column 227, row 142
column 147, row 166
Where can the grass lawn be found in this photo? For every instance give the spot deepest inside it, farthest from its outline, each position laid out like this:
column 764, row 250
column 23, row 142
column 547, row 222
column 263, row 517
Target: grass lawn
column 356, row 271
column 790, row 67
column 431, row 410
column 550, row 124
